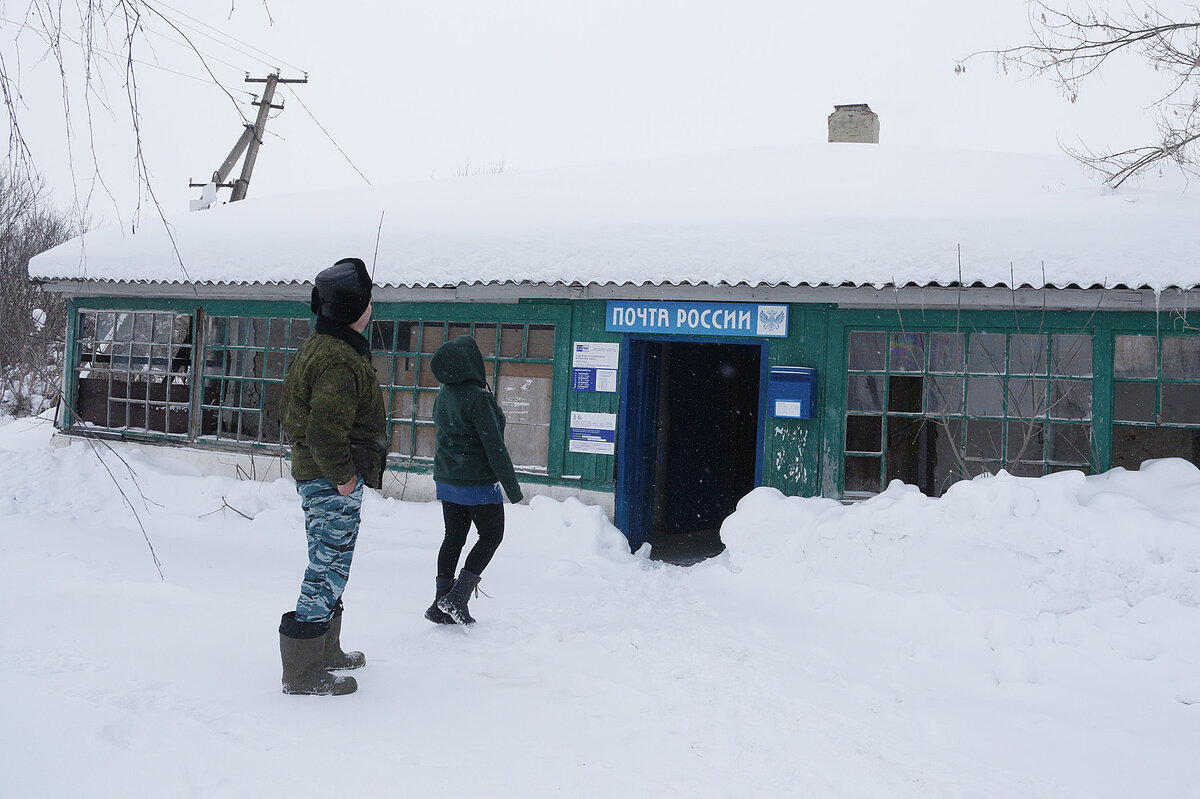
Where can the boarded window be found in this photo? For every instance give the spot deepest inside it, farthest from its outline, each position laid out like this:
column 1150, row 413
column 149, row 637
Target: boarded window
column 519, row 365
column 133, row 369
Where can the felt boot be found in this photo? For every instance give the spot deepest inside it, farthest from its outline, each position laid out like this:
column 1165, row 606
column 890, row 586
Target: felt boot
column 302, row 649
column 335, row 658
column 454, row 604
column 434, row 613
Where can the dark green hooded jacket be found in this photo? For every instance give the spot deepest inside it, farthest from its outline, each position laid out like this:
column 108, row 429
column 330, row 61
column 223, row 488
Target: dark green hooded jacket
column 333, row 409
column 470, row 423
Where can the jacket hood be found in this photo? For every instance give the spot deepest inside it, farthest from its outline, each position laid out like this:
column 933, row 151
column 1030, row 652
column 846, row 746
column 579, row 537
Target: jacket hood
column 459, row 361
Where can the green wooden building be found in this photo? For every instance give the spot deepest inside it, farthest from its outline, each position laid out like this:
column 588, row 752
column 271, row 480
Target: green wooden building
column 666, row 336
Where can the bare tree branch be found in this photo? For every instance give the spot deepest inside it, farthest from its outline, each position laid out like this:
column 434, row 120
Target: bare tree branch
column 1069, row 47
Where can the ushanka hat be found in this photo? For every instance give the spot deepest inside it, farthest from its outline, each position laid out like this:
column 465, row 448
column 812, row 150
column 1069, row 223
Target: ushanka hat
column 343, row 291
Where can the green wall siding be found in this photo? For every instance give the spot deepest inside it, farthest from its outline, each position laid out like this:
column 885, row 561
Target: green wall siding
column 799, row 457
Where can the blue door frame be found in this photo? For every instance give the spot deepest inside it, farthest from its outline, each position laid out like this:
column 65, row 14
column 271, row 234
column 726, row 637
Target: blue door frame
column 637, row 418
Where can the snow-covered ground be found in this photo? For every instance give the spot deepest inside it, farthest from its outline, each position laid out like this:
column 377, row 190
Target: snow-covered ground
column 1016, row 638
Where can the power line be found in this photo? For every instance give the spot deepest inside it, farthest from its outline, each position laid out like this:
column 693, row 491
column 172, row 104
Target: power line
column 273, row 62
column 330, row 137
column 125, row 58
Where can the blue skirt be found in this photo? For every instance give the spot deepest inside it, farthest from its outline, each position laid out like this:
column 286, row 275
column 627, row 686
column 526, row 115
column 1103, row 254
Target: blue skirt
column 469, row 495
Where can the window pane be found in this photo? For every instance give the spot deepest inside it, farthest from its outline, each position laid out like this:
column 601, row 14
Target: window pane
column 425, row 401
column 944, row 396
column 1071, row 399
column 864, row 433
column 904, row 394
column 402, row 435
column 1068, row 443
column 911, row 451
column 1135, row 356
column 1026, row 398
column 948, row 466
column 426, row 441
column 947, row 352
column 511, row 340
column 433, row 335
column 987, row 353
column 865, row 393
column 985, row 395
column 1026, row 441
column 1180, row 403
column 867, row 350
column 298, row 333
column 985, row 439
column 1133, row 445
column 1027, row 354
column 541, row 342
column 1181, row 357
column 485, row 337
column 1071, row 356
column 1134, row 402
column 907, row 352
column 402, row 404
column 383, row 336
column 862, row 474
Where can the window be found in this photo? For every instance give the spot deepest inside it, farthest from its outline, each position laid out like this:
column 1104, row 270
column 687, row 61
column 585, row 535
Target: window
column 1156, row 398
column 931, row 408
column 519, row 364
column 245, row 359
column 133, row 370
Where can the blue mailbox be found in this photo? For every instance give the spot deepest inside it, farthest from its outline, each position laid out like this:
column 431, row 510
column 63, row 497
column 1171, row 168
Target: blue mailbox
column 792, row 392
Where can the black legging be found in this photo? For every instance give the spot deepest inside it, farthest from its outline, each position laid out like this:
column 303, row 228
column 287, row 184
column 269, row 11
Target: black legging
column 489, row 522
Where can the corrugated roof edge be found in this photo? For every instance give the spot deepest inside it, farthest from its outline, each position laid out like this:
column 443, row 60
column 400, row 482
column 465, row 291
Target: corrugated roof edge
column 561, row 284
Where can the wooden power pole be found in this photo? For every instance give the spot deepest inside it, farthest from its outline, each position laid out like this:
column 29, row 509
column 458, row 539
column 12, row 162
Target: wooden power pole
column 249, row 143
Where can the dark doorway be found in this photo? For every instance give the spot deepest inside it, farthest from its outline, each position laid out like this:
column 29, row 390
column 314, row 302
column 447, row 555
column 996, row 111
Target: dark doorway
column 690, row 444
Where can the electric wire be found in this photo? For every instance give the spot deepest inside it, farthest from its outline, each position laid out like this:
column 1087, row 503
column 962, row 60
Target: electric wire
column 125, row 58
column 273, row 60
column 327, row 134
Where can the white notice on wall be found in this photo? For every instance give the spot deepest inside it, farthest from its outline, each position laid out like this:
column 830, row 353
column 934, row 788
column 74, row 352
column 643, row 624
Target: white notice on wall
column 595, row 355
column 593, row 432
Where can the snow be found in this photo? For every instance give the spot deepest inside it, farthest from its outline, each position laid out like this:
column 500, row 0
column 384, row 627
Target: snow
column 1016, row 637
column 808, row 214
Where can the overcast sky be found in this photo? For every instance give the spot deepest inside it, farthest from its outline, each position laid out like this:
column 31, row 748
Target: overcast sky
column 409, row 91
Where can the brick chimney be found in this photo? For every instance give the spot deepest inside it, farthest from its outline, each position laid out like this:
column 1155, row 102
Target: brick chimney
column 854, row 123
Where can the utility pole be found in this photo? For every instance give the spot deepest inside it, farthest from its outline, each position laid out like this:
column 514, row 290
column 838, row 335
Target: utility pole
column 249, row 142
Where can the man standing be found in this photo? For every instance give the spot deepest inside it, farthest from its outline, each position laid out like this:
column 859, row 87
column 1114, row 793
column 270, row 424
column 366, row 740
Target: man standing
column 333, row 415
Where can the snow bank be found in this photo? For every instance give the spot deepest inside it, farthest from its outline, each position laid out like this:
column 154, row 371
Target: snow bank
column 1016, row 637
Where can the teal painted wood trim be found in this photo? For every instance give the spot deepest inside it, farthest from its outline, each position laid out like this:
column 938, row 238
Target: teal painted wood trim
column 562, row 315
column 592, row 471
column 1102, row 397
column 792, row 451
column 70, row 385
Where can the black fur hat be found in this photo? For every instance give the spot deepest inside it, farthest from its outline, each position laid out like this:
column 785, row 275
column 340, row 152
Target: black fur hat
column 343, row 291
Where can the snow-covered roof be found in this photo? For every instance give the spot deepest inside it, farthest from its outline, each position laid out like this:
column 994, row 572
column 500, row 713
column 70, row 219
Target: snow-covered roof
column 824, row 214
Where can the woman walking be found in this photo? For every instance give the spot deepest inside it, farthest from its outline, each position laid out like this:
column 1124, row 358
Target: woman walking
column 470, row 465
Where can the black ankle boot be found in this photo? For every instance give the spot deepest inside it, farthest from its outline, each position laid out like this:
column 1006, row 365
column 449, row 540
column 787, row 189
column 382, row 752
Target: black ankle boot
column 454, row 604
column 434, row 613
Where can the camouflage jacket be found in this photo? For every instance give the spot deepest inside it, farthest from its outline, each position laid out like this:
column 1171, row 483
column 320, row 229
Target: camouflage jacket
column 332, row 408
column 470, row 423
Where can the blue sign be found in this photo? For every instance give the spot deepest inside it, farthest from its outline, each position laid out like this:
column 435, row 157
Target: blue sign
column 593, row 432
column 595, row 380
column 697, row 318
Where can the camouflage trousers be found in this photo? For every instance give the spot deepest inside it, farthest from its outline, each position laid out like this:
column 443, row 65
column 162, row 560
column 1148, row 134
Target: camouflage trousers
column 331, row 521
